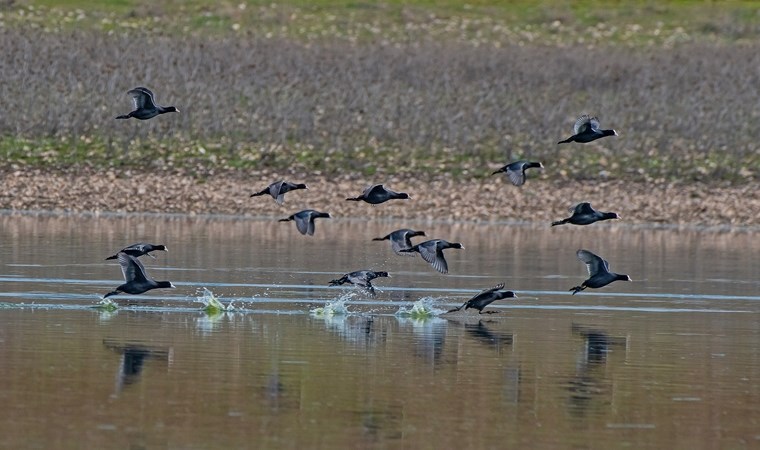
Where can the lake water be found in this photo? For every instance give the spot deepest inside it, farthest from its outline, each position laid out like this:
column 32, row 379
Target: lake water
column 669, row 360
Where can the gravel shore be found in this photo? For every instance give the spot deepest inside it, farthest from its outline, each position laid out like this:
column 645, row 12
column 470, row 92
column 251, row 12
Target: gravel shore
column 487, row 200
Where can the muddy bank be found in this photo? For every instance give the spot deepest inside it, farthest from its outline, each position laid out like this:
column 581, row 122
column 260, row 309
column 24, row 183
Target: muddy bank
column 492, row 199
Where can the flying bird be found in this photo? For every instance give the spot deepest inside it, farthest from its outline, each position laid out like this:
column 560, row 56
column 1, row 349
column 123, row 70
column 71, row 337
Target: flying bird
column 485, row 298
column 145, row 106
column 401, row 240
column 516, row 171
column 278, row 189
column 377, row 194
column 432, row 252
column 361, row 278
column 598, row 270
column 587, row 129
column 136, row 281
column 584, row 214
column 305, row 220
column 140, row 249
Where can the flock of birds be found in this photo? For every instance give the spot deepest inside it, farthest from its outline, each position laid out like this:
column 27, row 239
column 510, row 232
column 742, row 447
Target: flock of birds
column 586, row 129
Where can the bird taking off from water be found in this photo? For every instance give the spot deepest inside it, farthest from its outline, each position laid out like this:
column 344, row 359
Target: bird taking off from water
column 598, row 270
column 485, row 298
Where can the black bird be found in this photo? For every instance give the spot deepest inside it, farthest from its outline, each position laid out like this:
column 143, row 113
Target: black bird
column 516, row 171
column 305, row 220
column 432, row 252
column 378, row 194
column 586, row 129
column 584, row 214
column 278, row 189
column 361, row 278
column 145, row 107
column 599, row 271
column 401, row 240
column 140, row 249
column 485, row 298
column 136, row 280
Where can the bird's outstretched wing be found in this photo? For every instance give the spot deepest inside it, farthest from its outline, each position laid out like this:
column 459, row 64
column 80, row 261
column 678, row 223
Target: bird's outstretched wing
column 142, row 97
column 434, row 256
column 131, row 268
column 594, row 264
column 516, row 175
column 582, row 208
column 582, row 124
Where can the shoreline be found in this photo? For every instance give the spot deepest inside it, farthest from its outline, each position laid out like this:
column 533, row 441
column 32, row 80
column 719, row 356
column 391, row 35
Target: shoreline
column 638, row 226
column 492, row 201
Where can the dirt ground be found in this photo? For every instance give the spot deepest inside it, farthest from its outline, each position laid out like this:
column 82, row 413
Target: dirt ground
column 490, row 199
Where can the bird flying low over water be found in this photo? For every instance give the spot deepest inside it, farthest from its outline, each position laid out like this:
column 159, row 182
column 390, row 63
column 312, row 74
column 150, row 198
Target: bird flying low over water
column 485, row 298
column 432, row 252
column 587, row 129
column 145, row 106
column 136, row 281
column 584, row 214
column 305, row 220
column 598, row 270
column 377, row 194
column 278, row 189
column 516, row 171
column 401, row 240
column 361, row 278
column 140, row 249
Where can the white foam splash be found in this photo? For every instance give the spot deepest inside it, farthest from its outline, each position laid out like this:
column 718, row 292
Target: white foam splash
column 211, row 303
column 421, row 309
column 336, row 307
column 106, row 304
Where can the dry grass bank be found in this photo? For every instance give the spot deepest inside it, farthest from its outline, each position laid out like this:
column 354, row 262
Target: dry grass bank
column 683, row 113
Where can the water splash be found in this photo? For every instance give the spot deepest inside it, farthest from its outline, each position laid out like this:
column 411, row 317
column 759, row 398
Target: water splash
column 423, row 308
column 106, row 304
column 211, row 303
column 334, row 308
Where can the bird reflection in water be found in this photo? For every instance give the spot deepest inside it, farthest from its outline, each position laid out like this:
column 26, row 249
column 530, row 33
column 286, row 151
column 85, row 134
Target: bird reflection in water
column 428, row 337
column 358, row 330
column 133, row 358
column 499, row 340
column 590, row 386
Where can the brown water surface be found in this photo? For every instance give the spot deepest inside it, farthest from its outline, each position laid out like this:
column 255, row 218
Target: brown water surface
column 669, row 360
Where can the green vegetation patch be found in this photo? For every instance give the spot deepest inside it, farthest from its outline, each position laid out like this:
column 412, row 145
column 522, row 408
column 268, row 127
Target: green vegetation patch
column 478, row 22
column 424, row 88
column 201, row 159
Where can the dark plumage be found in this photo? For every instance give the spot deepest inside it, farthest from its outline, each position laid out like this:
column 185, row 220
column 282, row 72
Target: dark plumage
column 378, row 194
column 278, row 189
column 305, row 220
column 140, row 249
column 145, row 106
column 136, row 280
column 432, row 252
column 485, row 298
column 598, row 270
column 361, row 278
column 401, row 240
column 516, row 171
column 586, row 129
column 584, row 214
